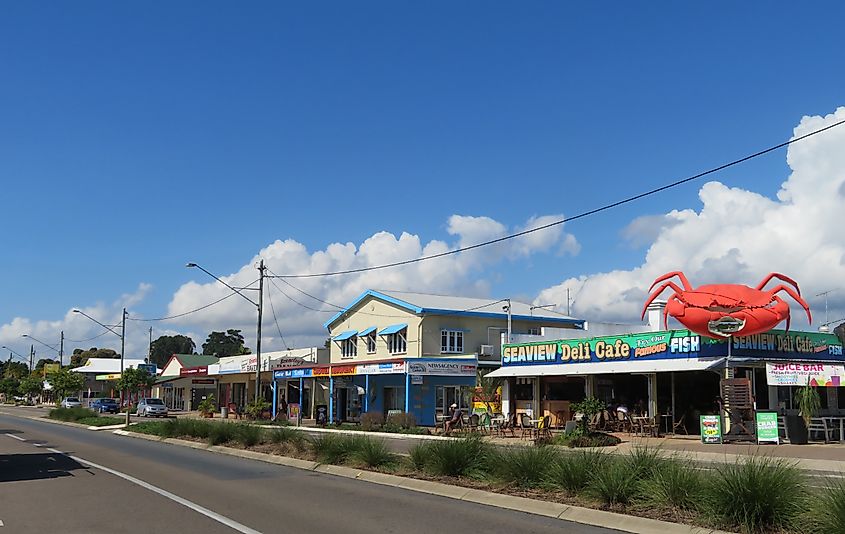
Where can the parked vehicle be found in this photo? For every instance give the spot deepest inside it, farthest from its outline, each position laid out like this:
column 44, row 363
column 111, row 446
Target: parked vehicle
column 151, row 408
column 71, row 402
column 105, row 406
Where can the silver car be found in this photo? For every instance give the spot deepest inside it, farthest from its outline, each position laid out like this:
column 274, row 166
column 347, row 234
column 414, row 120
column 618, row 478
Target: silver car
column 151, row 408
column 71, row 402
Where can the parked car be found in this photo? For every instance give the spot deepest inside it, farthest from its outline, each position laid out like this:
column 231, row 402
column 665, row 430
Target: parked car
column 105, row 406
column 151, row 408
column 71, row 402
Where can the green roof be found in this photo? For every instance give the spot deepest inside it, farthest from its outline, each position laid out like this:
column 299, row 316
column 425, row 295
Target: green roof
column 195, row 360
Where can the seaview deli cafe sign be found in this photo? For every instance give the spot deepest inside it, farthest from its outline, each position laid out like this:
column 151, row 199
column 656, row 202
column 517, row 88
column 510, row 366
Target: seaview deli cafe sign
column 651, row 345
column 801, row 374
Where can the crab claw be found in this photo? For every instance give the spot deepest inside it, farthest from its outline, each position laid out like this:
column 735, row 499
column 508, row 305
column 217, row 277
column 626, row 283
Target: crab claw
column 656, row 293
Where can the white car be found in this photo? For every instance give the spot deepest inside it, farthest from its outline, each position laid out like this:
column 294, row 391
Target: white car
column 151, row 407
column 71, row 402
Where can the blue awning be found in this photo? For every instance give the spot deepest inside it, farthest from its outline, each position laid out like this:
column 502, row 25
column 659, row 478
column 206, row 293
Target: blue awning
column 392, row 329
column 345, row 335
column 366, row 331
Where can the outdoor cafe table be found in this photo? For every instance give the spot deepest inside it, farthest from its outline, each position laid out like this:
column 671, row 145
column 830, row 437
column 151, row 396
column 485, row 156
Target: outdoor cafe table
column 833, row 422
column 640, row 421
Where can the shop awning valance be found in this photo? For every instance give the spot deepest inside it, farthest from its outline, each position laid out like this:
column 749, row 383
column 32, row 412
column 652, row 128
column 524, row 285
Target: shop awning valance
column 392, row 329
column 367, row 331
column 345, row 335
column 601, row 368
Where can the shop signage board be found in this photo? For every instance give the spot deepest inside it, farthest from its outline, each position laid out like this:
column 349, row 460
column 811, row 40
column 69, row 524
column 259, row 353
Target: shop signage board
column 767, row 427
column 292, row 373
column 801, row 374
column 206, row 381
column 445, row 368
column 51, row 368
column 110, row 376
column 293, row 411
column 150, row 368
column 201, row 370
column 711, row 428
column 675, row 344
column 380, row 368
column 416, row 380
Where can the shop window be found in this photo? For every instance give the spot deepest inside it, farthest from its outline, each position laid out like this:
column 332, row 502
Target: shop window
column 445, row 396
column 349, row 347
column 394, row 399
column 534, row 331
column 397, row 343
column 523, row 391
column 371, row 342
column 451, row 342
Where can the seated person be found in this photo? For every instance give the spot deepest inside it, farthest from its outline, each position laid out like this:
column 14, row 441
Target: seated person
column 454, row 421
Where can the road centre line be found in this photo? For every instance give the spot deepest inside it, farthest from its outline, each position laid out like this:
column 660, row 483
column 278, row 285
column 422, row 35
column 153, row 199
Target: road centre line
column 231, row 523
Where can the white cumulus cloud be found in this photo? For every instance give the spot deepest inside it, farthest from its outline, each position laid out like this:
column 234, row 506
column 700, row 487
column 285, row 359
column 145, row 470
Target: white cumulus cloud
column 739, row 236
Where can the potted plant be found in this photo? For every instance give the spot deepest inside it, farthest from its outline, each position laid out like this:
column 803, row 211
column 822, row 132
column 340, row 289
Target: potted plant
column 206, row 407
column 808, row 402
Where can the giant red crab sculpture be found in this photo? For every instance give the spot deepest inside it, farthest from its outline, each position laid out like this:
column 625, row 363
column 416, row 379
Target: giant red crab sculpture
column 724, row 310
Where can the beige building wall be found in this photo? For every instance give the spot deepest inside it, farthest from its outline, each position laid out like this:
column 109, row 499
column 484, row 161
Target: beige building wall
column 423, row 337
column 374, row 312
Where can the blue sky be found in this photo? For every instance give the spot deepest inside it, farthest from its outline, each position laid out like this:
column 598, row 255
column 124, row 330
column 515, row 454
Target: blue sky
column 136, row 137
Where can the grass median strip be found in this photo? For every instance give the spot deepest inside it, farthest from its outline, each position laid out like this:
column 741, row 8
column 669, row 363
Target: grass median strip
column 754, row 495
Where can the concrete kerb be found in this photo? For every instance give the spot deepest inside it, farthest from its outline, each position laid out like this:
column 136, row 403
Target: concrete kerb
column 587, row 516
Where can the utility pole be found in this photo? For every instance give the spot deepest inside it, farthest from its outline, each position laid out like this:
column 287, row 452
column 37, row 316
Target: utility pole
column 31, row 357
column 261, row 270
column 567, row 302
column 123, row 356
column 509, row 318
column 150, row 352
column 61, row 349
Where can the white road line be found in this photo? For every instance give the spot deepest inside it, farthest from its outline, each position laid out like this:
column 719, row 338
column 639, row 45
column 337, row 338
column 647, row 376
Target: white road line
column 231, row 523
column 164, row 493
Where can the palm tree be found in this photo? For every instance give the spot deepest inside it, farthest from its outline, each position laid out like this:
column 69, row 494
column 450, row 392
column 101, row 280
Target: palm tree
column 488, row 388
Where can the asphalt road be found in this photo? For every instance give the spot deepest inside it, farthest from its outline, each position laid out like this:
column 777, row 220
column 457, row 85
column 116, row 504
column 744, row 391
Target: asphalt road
column 57, row 490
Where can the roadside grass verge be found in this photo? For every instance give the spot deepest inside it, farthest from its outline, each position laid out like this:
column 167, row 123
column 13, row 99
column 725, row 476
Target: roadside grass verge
column 101, row 420
column 754, row 495
column 71, row 415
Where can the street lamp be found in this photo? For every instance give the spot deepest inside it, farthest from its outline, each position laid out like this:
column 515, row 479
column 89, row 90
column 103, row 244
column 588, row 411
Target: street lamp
column 122, row 336
column 60, row 350
column 22, row 357
column 259, row 305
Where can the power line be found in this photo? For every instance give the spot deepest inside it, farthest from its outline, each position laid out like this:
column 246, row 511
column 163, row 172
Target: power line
column 307, row 307
column 318, row 299
column 273, row 309
column 210, row 304
column 87, row 339
column 565, row 219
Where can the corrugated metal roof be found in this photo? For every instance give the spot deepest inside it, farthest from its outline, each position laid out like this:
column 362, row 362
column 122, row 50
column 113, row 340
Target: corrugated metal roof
column 425, row 303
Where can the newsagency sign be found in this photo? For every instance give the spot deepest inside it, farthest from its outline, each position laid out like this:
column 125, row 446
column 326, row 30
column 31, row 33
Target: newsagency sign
column 670, row 344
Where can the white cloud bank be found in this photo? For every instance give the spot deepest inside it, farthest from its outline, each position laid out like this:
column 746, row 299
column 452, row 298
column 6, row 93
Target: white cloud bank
column 457, row 274
column 739, row 236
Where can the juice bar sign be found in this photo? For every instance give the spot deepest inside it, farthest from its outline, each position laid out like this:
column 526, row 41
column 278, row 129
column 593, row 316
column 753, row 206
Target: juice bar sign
column 654, row 345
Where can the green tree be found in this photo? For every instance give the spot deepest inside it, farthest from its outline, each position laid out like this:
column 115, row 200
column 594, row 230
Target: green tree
column 30, row 385
column 39, row 366
column 66, row 382
column 79, row 356
column 15, row 370
column 840, row 333
column 166, row 346
column 487, row 389
column 228, row 343
column 9, row 387
column 134, row 380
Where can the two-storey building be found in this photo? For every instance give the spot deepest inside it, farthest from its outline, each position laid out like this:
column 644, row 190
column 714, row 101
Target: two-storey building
column 415, row 352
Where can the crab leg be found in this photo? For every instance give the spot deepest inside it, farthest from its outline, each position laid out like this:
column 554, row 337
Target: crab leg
column 780, row 277
column 657, row 293
column 667, row 276
column 791, row 292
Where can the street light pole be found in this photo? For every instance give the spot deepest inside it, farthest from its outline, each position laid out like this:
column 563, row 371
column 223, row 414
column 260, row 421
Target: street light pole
column 61, row 349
